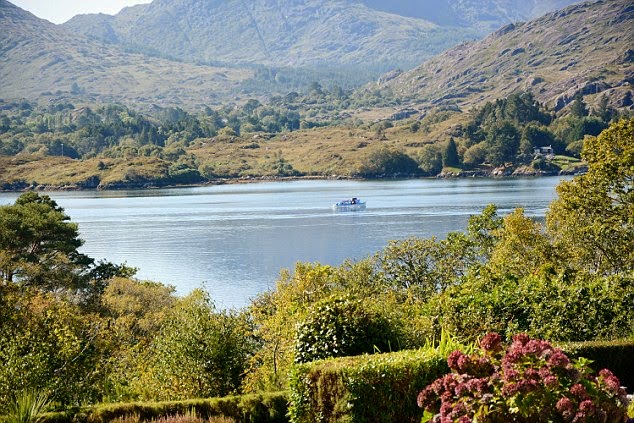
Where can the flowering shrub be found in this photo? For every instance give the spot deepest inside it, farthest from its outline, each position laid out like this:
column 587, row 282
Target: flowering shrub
column 529, row 382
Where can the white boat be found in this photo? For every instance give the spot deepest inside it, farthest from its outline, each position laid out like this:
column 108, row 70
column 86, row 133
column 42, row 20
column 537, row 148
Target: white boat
column 353, row 204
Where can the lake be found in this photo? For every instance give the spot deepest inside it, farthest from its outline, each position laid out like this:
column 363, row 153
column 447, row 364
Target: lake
column 234, row 239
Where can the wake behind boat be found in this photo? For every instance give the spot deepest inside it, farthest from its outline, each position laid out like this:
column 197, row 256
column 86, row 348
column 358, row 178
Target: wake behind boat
column 353, row 204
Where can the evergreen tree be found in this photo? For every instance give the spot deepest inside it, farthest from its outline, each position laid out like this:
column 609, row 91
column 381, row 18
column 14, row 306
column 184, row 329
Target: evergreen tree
column 450, row 154
column 578, row 107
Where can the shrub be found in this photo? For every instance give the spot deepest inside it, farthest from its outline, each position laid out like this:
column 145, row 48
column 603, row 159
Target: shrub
column 372, row 388
column 529, row 382
column 27, row 407
column 343, row 327
column 261, row 408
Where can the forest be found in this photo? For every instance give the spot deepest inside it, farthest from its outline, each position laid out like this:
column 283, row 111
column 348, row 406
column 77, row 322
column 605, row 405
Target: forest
column 86, row 332
column 115, row 146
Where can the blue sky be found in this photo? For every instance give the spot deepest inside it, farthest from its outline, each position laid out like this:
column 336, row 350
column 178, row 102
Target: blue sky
column 59, row 11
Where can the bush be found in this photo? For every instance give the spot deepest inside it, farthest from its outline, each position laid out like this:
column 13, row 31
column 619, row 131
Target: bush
column 529, row 382
column 264, row 408
column 388, row 163
column 343, row 327
column 372, row 388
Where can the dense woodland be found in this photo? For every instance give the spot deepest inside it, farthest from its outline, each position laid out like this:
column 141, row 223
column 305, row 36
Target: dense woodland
column 87, row 332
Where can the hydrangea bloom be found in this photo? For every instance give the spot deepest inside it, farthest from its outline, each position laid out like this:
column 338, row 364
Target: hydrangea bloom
column 530, row 381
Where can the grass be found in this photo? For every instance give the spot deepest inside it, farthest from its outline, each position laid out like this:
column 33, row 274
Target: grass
column 28, row 407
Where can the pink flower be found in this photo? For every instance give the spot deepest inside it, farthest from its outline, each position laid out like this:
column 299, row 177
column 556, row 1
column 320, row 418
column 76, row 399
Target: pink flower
column 579, row 391
column 611, row 382
column 521, row 338
column 564, row 405
column 558, row 359
column 491, row 342
column 452, row 360
column 551, row 381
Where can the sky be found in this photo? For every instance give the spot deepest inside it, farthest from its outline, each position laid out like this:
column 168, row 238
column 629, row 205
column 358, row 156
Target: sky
column 59, row 11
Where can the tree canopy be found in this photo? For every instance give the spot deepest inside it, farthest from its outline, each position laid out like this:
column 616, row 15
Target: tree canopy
column 38, row 244
column 592, row 222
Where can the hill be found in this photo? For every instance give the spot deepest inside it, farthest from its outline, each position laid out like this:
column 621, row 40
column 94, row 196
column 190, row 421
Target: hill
column 487, row 15
column 583, row 49
column 275, row 33
column 38, row 58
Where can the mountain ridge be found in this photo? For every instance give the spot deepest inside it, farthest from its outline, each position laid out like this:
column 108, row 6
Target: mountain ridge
column 275, row 33
column 580, row 49
column 39, row 59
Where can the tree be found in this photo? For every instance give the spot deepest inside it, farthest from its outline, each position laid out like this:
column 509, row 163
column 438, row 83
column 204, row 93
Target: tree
column 450, row 154
column 423, row 267
column 592, row 222
column 578, row 107
column 46, row 343
column 502, row 143
column 475, row 155
column 387, row 162
column 38, row 244
column 430, row 160
column 199, row 353
column 522, row 247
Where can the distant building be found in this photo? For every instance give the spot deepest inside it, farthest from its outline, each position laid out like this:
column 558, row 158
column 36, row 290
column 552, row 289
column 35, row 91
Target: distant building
column 546, row 151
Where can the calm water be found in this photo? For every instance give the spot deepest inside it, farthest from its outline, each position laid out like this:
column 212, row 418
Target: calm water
column 234, row 239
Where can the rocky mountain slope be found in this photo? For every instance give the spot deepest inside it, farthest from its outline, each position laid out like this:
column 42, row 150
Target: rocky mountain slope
column 585, row 48
column 38, row 58
column 487, row 15
column 274, row 32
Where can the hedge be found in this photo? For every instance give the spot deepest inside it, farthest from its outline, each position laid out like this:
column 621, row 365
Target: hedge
column 618, row 356
column 369, row 388
column 384, row 387
column 260, row 408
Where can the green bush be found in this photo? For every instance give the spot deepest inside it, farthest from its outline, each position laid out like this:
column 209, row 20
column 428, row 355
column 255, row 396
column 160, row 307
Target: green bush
column 371, row 388
column 543, row 305
column 342, row 327
column 260, row 408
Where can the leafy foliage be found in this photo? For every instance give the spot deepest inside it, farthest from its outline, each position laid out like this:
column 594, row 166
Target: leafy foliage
column 198, row 353
column 601, row 205
column 386, row 162
column 372, row 388
column 342, row 327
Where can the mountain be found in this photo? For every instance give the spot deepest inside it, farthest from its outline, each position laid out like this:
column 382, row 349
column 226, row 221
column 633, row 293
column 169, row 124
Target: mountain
column 39, row 58
column 274, row 33
column 487, row 15
column 585, row 48
column 372, row 33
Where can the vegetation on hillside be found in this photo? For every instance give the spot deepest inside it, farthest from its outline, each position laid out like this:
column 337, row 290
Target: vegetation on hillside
column 310, row 134
column 83, row 332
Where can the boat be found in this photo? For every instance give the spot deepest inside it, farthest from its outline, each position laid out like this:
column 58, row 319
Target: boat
column 353, row 204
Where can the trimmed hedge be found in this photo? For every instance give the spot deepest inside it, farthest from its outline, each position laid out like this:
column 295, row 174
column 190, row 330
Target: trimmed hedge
column 618, row 356
column 370, row 388
column 257, row 408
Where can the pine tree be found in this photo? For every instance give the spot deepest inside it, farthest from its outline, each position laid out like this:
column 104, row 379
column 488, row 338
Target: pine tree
column 450, row 154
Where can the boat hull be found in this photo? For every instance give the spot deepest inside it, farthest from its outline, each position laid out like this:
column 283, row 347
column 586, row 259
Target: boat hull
column 348, row 206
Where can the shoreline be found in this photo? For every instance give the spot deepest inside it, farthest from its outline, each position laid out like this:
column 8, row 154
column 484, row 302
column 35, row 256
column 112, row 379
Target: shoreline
column 147, row 185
